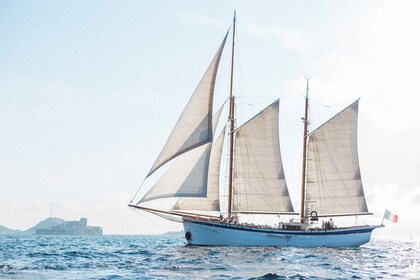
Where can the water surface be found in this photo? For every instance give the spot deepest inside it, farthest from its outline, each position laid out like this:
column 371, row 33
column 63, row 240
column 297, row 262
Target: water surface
column 167, row 257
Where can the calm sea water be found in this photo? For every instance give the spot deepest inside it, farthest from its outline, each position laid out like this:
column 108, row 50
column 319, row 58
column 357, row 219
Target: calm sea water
column 145, row 257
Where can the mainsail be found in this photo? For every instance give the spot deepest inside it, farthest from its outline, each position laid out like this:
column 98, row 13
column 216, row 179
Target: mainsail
column 259, row 182
column 333, row 182
column 194, row 126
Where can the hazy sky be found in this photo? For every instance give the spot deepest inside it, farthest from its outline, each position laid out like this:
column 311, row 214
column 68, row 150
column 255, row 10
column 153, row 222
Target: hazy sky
column 90, row 90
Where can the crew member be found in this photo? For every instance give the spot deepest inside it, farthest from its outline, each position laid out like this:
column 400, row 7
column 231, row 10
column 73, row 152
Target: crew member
column 332, row 225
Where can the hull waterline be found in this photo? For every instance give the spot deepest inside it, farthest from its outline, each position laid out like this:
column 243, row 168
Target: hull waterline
column 205, row 233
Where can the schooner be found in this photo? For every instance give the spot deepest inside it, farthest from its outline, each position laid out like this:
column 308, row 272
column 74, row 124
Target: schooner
column 256, row 185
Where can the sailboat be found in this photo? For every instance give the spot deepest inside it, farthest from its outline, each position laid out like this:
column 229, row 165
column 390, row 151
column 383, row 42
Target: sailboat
column 256, row 185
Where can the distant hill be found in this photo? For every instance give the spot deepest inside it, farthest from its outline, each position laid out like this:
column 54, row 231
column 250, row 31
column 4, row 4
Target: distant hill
column 173, row 234
column 47, row 223
column 50, row 223
column 5, row 230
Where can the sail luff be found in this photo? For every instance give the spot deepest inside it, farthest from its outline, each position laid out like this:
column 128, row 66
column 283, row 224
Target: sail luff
column 194, row 126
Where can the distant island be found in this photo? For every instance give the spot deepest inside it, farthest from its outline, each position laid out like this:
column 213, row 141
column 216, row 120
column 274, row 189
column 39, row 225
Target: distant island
column 57, row 226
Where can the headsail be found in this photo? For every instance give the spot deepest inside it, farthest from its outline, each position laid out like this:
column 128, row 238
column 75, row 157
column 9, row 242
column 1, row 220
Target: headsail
column 211, row 201
column 216, row 117
column 194, row 126
column 191, row 174
column 333, row 182
column 187, row 176
column 259, row 182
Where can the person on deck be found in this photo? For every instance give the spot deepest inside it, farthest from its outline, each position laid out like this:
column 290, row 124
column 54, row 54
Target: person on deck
column 332, row 225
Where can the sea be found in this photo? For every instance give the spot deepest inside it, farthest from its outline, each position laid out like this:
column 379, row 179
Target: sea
column 168, row 257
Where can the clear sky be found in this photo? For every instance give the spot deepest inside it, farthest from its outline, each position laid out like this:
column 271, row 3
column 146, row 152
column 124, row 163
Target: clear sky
column 90, row 90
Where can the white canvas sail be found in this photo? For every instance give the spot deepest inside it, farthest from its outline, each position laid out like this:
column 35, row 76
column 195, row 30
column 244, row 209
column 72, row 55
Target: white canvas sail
column 259, row 182
column 211, row 201
column 194, row 126
column 333, row 182
column 216, row 117
column 187, row 176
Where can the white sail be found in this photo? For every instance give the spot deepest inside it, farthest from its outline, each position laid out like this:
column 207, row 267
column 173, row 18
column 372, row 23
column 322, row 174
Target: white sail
column 333, row 182
column 259, row 182
column 194, row 126
column 216, row 117
column 187, row 176
column 211, row 201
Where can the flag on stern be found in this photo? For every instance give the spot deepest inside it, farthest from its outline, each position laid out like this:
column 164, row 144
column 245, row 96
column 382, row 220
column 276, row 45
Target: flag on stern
column 390, row 217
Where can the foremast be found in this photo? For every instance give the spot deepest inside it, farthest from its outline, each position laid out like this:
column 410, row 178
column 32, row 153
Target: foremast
column 305, row 142
column 232, row 122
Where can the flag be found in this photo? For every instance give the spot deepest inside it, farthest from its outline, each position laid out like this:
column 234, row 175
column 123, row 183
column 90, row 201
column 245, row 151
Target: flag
column 390, row 217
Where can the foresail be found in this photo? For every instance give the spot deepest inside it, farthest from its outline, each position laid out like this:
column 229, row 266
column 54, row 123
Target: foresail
column 186, row 177
column 194, row 126
column 216, row 117
column 259, row 182
column 333, row 182
column 211, row 201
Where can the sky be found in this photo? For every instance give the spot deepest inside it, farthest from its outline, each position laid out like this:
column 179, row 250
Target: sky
column 90, row 90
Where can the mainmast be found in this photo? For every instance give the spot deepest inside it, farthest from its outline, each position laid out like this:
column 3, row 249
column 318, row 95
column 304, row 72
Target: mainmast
column 232, row 122
column 305, row 135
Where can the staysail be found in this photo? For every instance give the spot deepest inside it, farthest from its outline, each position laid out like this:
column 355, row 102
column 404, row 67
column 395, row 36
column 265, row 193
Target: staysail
column 333, row 182
column 259, row 182
column 192, row 175
column 194, row 126
column 187, row 176
column 211, row 201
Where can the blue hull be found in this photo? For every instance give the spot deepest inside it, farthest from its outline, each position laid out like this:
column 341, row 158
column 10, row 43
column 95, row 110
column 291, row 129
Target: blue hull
column 207, row 233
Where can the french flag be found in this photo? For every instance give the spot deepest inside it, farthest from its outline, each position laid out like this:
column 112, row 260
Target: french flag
column 390, row 217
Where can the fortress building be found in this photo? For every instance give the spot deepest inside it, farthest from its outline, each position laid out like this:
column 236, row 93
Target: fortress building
column 71, row 228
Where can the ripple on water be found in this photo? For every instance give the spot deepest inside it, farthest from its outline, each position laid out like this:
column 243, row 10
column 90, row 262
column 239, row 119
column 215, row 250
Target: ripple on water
column 140, row 257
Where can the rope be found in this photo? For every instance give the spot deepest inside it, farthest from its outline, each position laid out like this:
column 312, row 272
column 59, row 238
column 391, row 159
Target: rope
column 131, row 201
column 156, row 224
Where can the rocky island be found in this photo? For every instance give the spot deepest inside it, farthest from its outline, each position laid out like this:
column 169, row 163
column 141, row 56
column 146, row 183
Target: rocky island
column 71, row 228
column 57, row 226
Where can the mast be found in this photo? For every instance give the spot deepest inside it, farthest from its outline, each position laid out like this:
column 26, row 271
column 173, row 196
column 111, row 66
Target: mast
column 232, row 122
column 305, row 135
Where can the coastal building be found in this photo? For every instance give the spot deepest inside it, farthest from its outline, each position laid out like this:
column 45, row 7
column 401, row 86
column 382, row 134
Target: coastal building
column 71, row 228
